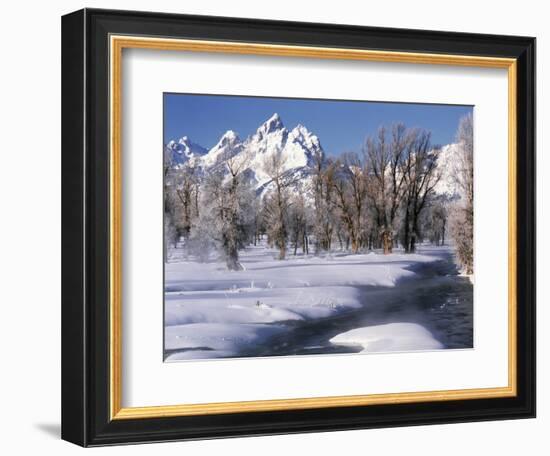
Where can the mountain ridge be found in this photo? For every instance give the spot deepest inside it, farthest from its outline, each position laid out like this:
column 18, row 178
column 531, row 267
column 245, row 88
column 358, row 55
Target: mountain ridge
column 297, row 150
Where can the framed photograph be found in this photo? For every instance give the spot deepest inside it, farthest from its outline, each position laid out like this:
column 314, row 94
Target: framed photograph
column 279, row 227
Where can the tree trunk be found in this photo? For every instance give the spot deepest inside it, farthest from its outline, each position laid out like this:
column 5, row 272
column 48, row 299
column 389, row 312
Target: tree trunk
column 406, row 239
column 412, row 247
column 386, row 242
column 232, row 259
column 197, row 201
column 282, row 252
column 414, row 231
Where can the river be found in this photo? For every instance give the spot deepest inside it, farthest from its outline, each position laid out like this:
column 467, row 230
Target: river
column 437, row 298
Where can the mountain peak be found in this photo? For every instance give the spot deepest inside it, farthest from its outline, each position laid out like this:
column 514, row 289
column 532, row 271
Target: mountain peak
column 229, row 137
column 301, row 130
column 272, row 124
column 229, row 134
column 184, row 149
column 228, row 145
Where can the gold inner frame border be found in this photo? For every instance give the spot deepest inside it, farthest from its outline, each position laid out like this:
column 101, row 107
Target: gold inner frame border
column 117, row 44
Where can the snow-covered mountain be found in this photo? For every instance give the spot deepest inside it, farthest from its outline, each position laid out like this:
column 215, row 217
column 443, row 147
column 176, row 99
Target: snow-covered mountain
column 228, row 146
column 296, row 150
column 184, row 150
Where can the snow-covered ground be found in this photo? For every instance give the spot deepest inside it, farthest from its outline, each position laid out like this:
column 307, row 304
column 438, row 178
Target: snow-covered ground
column 389, row 337
column 212, row 312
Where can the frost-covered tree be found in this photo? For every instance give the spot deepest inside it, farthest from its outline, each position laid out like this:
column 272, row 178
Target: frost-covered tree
column 186, row 189
column 205, row 236
column 226, row 217
column 276, row 202
column 170, row 235
column 462, row 222
column 464, row 163
column 358, row 192
column 257, row 227
column 323, row 203
column 346, row 213
column 298, row 221
column 386, row 179
column 349, row 196
column 436, row 221
column 462, row 217
column 170, row 205
column 181, row 193
column 422, row 176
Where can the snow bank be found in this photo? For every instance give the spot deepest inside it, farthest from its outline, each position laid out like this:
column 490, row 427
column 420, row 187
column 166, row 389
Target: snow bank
column 256, row 305
column 214, row 340
column 263, row 271
column 389, row 337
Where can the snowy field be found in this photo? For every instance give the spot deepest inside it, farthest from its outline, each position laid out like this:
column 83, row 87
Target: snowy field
column 211, row 312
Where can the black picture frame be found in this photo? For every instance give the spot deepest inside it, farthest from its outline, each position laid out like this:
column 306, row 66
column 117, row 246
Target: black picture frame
column 85, row 228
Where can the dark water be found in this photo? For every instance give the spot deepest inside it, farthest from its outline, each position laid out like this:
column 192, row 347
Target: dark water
column 437, row 298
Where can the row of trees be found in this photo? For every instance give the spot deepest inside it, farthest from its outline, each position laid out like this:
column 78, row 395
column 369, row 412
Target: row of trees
column 381, row 198
column 462, row 220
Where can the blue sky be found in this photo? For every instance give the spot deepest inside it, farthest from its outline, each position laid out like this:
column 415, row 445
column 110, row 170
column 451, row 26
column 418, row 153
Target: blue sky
column 340, row 125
